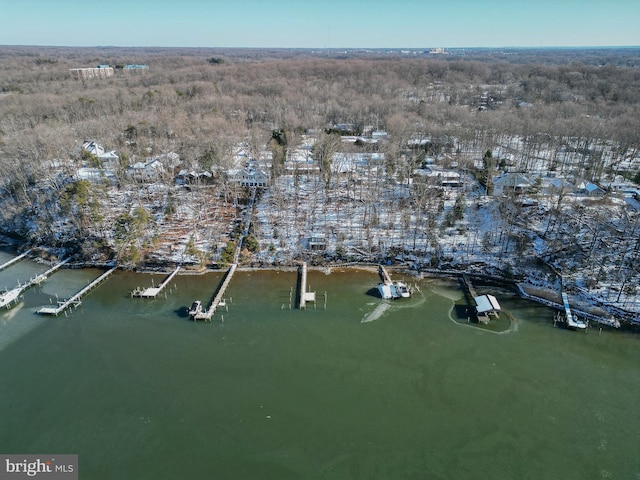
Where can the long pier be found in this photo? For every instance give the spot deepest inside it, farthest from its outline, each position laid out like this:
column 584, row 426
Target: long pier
column 10, row 297
column 14, row 260
column 207, row 314
column 153, row 292
column 75, row 299
column 304, row 295
column 43, row 276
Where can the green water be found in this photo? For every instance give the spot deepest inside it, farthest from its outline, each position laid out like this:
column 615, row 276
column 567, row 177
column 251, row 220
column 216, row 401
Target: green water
column 140, row 392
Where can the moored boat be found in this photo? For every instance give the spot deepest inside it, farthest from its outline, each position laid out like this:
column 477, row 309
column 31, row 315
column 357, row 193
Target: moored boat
column 402, row 289
column 196, row 308
column 9, row 296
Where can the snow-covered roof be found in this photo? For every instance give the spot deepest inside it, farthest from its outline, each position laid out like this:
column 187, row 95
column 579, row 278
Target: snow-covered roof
column 486, row 303
column 93, row 148
column 512, row 180
column 344, row 162
column 153, row 163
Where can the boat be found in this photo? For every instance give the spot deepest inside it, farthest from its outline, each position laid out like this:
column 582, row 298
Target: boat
column 388, row 291
column 402, row 289
column 576, row 324
column 8, row 297
column 196, row 308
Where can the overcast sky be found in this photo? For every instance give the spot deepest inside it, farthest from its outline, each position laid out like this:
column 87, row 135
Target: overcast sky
column 321, row 23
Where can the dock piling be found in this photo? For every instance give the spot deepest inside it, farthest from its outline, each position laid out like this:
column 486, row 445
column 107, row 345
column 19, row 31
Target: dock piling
column 153, row 291
column 208, row 313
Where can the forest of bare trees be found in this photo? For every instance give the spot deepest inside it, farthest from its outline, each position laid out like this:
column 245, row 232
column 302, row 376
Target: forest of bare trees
column 572, row 113
column 200, row 109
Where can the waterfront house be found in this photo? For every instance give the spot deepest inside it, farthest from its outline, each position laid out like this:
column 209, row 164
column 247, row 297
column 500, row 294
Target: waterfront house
column 317, row 241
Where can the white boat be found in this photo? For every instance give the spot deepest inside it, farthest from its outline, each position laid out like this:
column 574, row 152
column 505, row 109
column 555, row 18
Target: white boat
column 388, row 291
column 8, row 297
column 196, row 308
column 402, row 289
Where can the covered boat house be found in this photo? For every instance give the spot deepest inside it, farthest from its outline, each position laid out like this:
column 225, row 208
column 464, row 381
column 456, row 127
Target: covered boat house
column 486, row 306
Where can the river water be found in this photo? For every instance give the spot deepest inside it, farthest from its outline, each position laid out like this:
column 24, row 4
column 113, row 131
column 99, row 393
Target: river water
column 363, row 389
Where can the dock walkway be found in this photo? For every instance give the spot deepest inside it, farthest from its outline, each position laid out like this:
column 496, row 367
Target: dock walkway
column 611, row 322
column 153, row 292
column 384, row 275
column 469, row 286
column 75, row 299
column 304, row 295
column 207, row 314
column 572, row 322
column 10, row 297
column 14, row 260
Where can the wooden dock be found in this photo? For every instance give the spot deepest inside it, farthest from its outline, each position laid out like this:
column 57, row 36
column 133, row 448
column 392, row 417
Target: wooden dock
column 43, row 276
column 207, row 314
column 304, row 295
column 153, row 292
column 11, row 297
column 75, row 299
column 384, row 275
column 466, row 281
column 14, row 260
column 570, row 319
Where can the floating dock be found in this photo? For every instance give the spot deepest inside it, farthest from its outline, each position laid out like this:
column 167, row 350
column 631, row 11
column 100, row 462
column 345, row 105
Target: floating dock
column 207, row 314
column 304, row 295
column 14, row 260
column 153, row 292
column 75, row 300
column 10, row 297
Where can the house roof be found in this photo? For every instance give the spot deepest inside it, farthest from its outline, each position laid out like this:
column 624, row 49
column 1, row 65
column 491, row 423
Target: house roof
column 512, row 180
column 93, row 147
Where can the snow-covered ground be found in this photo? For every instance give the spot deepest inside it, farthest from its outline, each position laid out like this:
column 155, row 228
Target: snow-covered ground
column 370, row 213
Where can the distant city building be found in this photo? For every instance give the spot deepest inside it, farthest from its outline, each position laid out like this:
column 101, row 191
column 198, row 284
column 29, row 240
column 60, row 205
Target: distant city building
column 105, row 71
column 101, row 71
column 134, row 68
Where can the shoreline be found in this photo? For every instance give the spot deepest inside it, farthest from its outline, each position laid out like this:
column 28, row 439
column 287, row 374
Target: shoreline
column 548, row 297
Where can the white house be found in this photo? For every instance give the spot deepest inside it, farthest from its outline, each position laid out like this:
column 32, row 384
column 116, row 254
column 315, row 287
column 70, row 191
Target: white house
column 148, row 171
column 107, row 158
column 249, row 177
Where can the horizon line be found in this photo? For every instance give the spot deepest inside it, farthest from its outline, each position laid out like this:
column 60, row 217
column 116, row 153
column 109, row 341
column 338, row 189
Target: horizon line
column 526, row 47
